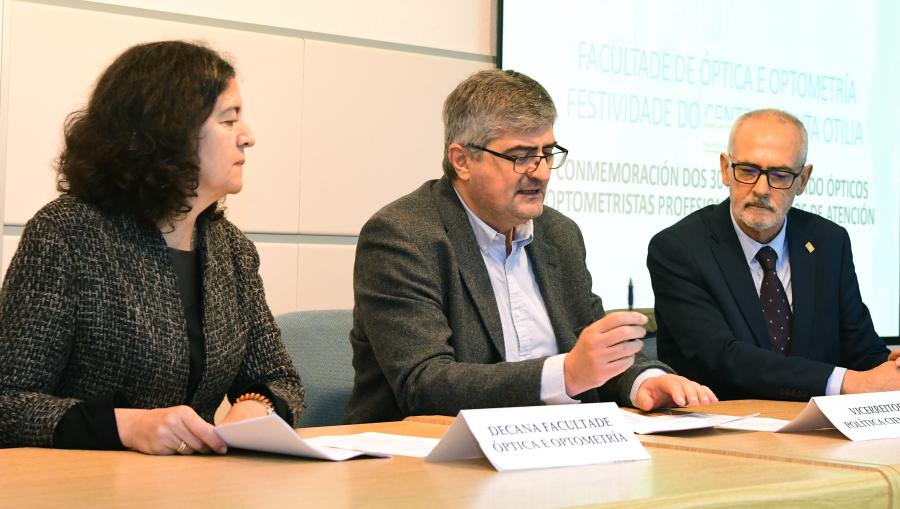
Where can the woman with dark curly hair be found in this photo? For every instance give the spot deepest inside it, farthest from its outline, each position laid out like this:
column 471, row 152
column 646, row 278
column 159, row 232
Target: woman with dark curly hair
column 132, row 306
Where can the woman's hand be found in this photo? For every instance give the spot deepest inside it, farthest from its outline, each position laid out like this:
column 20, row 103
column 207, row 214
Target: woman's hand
column 164, row 430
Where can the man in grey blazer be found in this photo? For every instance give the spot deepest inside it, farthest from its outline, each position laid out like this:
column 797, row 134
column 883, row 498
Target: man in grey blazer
column 470, row 294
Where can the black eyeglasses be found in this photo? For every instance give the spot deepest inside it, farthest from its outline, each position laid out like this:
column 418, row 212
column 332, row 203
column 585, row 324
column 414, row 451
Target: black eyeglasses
column 778, row 178
column 526, row 165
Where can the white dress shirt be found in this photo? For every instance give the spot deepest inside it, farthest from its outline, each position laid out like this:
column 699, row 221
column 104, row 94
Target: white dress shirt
column 527, row 331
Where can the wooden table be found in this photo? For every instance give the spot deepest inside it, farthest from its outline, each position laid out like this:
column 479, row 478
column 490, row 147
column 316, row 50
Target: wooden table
column 823, row 447
column 685, row 471
column 814, row 447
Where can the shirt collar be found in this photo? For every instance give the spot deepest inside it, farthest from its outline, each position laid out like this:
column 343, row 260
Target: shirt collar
column 485, row 235
column 750, row 247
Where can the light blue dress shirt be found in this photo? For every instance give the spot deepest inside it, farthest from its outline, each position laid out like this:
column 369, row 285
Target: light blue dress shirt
column 783, row 269
column 527, row 331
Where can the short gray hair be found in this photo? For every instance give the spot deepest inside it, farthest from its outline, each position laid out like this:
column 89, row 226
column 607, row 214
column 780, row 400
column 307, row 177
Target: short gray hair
column 781, row 115
column 490, row 102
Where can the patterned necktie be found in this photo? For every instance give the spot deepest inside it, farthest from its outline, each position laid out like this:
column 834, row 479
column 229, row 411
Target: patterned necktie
column 775, row 306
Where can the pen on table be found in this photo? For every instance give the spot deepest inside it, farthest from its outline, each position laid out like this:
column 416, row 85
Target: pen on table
column 630, row 295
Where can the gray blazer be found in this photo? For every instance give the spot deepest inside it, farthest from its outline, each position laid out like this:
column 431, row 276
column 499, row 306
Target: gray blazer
column 427, row 337
column 90, row 306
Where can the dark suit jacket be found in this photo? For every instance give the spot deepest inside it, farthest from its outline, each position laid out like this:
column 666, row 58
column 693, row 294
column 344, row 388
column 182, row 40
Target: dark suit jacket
column 427, row 337
column 710, row 320
column 90, row 307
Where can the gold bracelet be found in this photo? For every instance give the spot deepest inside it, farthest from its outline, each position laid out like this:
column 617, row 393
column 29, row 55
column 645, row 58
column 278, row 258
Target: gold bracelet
column 257, row 397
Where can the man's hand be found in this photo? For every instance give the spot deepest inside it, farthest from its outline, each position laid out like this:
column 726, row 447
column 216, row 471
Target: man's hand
column 162, row 430
column 672, row 390
column 884, row 377
column 604, row 349
column 895, row 356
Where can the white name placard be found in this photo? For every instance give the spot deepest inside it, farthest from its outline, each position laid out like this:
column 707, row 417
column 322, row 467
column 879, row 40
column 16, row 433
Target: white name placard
column 868, row 416
column 521, row 438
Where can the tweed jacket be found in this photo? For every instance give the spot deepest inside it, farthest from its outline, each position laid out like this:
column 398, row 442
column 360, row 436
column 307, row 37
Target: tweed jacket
column 711, row 325
column 90, row 307
column 427, row 336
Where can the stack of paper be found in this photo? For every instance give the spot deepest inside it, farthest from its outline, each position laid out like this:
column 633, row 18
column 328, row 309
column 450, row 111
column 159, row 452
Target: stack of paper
column 272, row 434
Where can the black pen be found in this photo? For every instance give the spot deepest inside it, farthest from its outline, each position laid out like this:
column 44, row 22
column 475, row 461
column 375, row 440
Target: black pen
column 630, row 295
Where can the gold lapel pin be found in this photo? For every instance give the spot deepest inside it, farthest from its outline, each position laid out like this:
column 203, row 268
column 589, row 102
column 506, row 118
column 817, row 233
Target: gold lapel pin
column 810, row 247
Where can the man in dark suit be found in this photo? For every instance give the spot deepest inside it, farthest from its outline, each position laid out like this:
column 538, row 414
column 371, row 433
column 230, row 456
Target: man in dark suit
column 759, row 300
column 470, row 294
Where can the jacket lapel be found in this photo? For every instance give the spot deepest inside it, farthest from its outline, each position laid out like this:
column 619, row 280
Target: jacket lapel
column 471, row 265
column 726, row 250
column 544, row 259
column 803, row 286
column 223, row 334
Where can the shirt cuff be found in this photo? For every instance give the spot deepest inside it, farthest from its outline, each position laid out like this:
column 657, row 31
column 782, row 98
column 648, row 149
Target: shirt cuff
column 553, row 382
column 835, row 381
column 641, row 378
column 91, row 424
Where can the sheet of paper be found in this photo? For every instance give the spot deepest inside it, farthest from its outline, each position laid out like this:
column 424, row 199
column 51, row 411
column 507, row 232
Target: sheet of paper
column 645, row 424
column 272, row 434
column 380, row 443
column 809, row 419
column 545, row 436
column 868, row 416
column 755, row 424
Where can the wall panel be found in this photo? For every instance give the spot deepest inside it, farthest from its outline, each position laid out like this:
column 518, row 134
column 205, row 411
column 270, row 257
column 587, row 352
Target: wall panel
column 326, row 277
column 278, row 269
column 49, row 80
column 372, row 130
column 10, row 243
column 4, row 47
column 464, row 26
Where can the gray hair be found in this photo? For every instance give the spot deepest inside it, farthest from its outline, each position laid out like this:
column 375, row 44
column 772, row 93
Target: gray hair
column 490, row 102
column 781, row 115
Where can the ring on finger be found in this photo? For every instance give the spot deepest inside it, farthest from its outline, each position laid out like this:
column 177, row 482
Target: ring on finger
column 181, row 447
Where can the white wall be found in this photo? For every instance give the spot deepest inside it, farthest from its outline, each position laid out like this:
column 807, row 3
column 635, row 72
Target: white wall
column 344, row 98
column 4, row 14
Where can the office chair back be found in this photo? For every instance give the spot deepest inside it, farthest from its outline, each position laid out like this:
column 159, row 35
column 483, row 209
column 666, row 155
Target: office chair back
column 318, row 343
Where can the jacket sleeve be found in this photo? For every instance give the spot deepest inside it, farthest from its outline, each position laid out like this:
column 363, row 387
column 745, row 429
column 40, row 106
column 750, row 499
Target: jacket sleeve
column 266, row 361
column 37, row 306
column 400, row 293
column 861, row 348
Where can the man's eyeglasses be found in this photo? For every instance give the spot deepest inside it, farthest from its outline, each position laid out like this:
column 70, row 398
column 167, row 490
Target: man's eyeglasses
column 526, row 165
column 779, row 178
